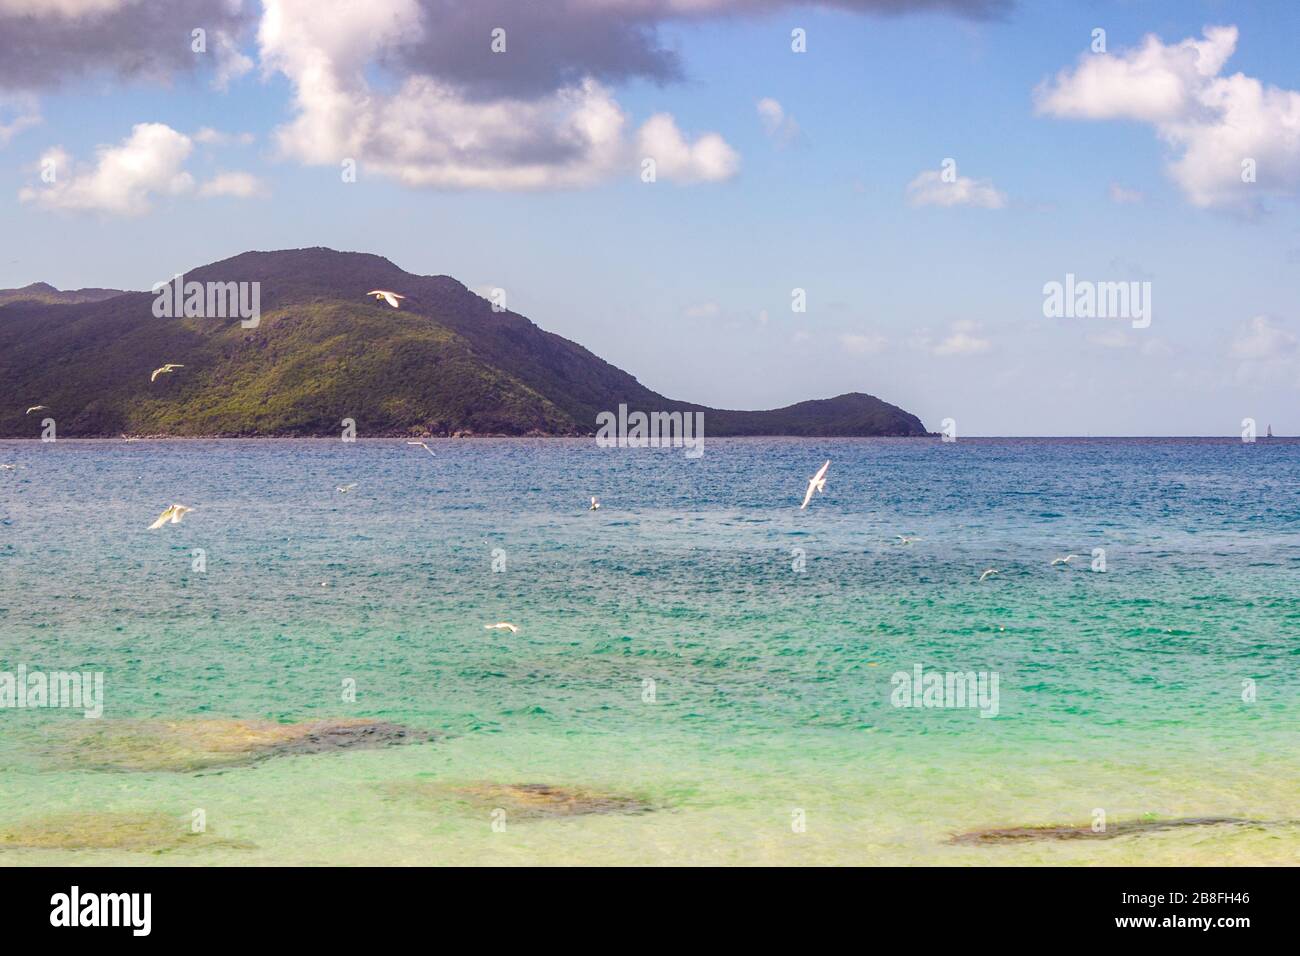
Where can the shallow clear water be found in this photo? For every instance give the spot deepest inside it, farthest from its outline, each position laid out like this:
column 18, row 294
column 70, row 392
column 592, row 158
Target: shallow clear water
column 1120, row 690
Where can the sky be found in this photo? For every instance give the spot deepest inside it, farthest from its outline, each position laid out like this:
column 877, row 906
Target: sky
column 922, row 172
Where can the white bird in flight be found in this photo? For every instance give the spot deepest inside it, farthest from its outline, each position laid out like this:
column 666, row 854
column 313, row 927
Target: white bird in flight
column 1065, row 560
column 346, row 488
column 904, row 539
column 35, row 408
column 166, row 368
column 390, row 297
column 422, row 445
column 7, row 467
column 594, row 504
column 816, row 483
column 174, row 514
column 501, row 626
column 989, row 573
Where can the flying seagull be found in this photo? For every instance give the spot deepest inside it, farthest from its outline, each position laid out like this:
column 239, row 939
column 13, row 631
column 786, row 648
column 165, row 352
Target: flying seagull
column 594, row 504
column 390, row 297
column 422, row 445
column 35, row 408
column 816, row 483
column 7, row 467
column 166, row 368
column 904, row 539
column 501, row 626
column 1065, row 560
column 989, row 573
column 174, row 514
column 346, row 488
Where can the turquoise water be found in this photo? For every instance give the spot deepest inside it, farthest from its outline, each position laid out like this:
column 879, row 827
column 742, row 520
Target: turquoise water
column 1120, row 691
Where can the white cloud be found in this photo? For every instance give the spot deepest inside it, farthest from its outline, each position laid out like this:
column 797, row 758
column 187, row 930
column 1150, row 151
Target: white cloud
column 1122, row 196
column 930, row 189
column 1264, row 340
column 239, row 185
column 702, row 310
column 69, row 9
column 962, row 339
column 124, row 178
column 1152, row 84
column 708, row 159
column 962, row 343
column 1212, row 123
column 862, row 344
column 426, row 132
column 231, row 63
column 776, row 123
column 17, row 113
column 721, row 317
column 1113, row 339
column 1266, row 351
column 49, row 44
column 212, row 137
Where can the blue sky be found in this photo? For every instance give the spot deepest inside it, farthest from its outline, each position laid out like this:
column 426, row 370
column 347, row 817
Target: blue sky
column 929, row 298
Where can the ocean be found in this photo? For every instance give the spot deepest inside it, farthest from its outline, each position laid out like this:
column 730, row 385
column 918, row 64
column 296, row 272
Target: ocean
column 703, row 673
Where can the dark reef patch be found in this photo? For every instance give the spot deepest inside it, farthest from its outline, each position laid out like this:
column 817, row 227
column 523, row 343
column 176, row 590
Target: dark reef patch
column 1049, row 833
column 185, row 746
column 100, row 830
column 526, row 801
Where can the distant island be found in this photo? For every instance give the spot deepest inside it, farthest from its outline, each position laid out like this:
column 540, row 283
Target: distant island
column 443, row 364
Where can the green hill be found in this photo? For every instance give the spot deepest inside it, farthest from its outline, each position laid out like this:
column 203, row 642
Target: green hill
column 444, row 363
column 46, row 293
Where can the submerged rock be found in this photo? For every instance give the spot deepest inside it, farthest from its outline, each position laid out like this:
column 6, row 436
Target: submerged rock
column 1085, row 832
column 323, row 736
column 189, row 745
column 134, row 832
column 527, row 801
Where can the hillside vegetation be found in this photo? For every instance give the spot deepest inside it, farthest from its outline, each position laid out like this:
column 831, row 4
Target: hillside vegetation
column 442, row 364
